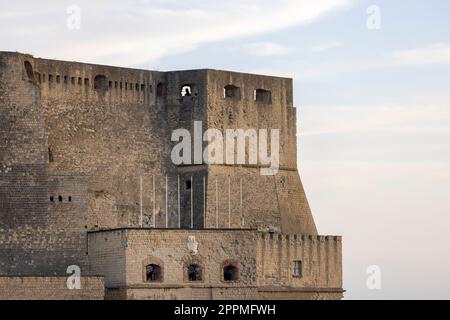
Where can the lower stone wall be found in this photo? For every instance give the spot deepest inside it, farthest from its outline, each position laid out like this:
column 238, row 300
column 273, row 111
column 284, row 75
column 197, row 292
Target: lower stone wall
column 296, row 294
column 183, row 293
column 50, row 288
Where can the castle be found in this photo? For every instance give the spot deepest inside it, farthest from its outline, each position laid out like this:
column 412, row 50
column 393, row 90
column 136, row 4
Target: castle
column 86, row 180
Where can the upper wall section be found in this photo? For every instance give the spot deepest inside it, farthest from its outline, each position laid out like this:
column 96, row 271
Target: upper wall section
column 249, row 101
column 22, row 137
column 80, row 81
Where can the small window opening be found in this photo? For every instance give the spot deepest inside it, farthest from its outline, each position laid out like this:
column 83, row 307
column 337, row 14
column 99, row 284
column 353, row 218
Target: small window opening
column 230, row 273
column 52, row 199
column 188, row 184
column 86, row 81
column 65, row 79
column 161, row 90
column 29, row 70
column 50, row 155
column 100, row 83
column 298, row 272
column 231, row 92
column 58, row 79
column 194, row 272
column 60, row 198
column 72, row 80
column 142, row 87
column 69, row 198
column 261, row 95
column 136, row 86
column 116, row 84
column 186, row 91
column 80, row 81
column 153, row 272
column 110, row 84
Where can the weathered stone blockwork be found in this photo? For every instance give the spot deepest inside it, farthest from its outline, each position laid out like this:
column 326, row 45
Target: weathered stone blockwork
column 265, row 263
column 122, row 255
column 50, row 288
column 85, row 156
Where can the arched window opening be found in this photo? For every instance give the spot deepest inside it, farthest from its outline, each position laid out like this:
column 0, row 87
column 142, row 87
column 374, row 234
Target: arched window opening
column 230, row 273
column 29, row 70
column 153, row 272
column 261, row 95
column 160, row 90
column 186, row 91
column 100, row 83
column 60, row 198
column 194, row 272
column 231, row 92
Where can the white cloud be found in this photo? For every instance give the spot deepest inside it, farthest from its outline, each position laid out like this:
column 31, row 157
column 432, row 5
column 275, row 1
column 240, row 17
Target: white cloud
column 435, row 54
column 264, row 49
column 138, row 31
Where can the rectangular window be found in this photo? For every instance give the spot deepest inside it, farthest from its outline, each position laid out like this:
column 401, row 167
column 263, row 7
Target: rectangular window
column 298, row 272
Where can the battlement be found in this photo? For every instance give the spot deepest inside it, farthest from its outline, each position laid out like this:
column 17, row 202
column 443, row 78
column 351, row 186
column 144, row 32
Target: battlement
column 306, row 261
column 64, row 79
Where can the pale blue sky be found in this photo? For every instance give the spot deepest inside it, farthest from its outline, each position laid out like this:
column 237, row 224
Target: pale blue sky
column 373, row 105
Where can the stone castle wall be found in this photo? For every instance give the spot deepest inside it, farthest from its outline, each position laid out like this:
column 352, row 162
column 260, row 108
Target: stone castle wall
column 37, row 236
column 123, row 254
column 86, row 148
column 50, row 288
column 118, row 130
column 321, row 266
column 265, row 263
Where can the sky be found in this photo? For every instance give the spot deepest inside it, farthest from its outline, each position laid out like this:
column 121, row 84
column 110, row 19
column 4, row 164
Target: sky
column 371, row 87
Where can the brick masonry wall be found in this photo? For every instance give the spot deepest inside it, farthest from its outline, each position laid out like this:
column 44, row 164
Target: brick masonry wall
column 265, row 263
column 35, row 237
column 133, row 249
column 320, row 256
column 268, row 205
column 102, row 136
column 299, row 295
column 50, row 288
